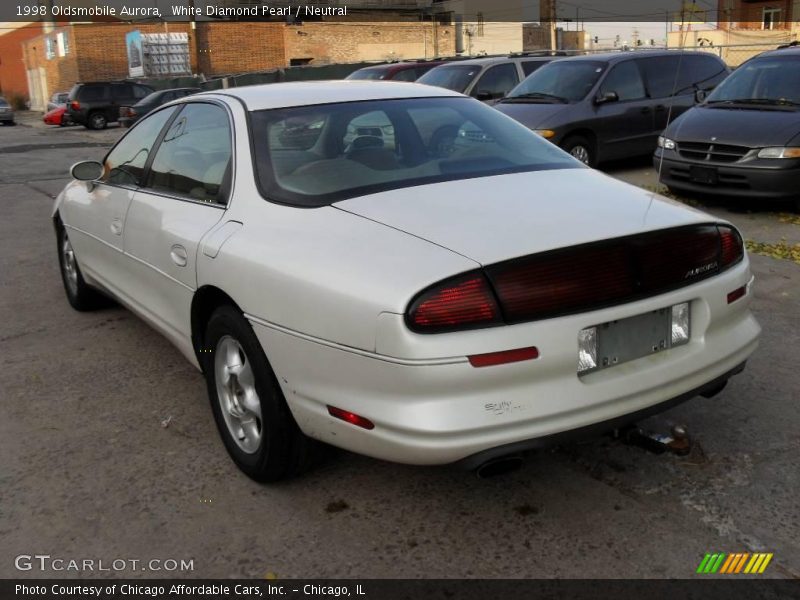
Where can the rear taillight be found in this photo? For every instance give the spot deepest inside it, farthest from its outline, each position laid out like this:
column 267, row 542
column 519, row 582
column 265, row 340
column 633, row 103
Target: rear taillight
column 577, row 279
column 463, row 302
column 130, row 112
column 732, row 247
column 75, row 105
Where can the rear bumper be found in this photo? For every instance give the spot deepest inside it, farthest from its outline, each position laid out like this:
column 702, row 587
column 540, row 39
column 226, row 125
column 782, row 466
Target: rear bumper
column 736, row 181
column 442, row 410
column 476, row 460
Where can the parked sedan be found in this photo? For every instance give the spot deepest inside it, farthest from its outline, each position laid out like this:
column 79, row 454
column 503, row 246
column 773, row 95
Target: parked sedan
column 128, row 115
column 744, row 140
column 400, row 296
column 57, row 116
column 6, row 113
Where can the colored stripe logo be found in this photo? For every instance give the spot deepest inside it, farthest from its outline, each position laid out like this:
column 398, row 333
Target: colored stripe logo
column 732, row 564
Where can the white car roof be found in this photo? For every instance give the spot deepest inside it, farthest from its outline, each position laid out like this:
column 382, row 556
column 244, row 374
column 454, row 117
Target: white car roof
column 305, row 93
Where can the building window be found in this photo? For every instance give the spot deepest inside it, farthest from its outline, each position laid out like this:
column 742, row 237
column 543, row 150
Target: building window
column 62, row 41
column 479, row 28
column 50, row 47
column 772, row 18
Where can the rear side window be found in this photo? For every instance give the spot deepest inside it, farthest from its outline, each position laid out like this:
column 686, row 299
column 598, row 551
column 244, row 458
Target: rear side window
column 661, row 75
column 91, row 93
column 624, row 79
column 122, row 90
column 529, row 66
column 193, row 160
column 140, row 92
column 497, row 81
column 405, row 75
column 124, row 165
column 700, row 72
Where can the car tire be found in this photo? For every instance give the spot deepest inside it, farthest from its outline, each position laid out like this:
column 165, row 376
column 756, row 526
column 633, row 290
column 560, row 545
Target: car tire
column 249, row 408
column 97, row 120
column 80, row 294
column 581, row 148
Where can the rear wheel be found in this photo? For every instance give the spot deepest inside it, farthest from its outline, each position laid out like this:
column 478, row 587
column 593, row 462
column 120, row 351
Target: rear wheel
column 251, row 413
column 80, row 295
column 581, row 148
column 97, row 120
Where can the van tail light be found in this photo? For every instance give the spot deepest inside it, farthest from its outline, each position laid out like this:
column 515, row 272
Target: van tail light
column 732, row 247
column 462, row 302
column 75, row 105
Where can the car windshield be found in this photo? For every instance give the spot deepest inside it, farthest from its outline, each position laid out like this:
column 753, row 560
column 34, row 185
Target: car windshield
column 316, row 155
column 768, row 80
column 565, row 80
column 451, row 77
column 369, row 73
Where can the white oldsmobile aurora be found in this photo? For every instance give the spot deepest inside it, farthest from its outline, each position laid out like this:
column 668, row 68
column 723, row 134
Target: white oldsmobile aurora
column 400, row 271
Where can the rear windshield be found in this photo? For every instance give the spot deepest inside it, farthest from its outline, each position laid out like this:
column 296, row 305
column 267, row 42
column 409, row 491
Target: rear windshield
column 451, row 77
column 772, row 80
column 567, row 80
column 316, row 155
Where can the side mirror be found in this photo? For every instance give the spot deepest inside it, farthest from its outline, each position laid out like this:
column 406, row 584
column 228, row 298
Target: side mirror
column 607, row 97
column 484, row 95
column 700, row 95
column 87, row 170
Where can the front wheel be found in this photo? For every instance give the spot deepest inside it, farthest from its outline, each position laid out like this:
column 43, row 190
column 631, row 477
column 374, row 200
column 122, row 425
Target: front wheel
column 80, row 294
column 581, row 148
column 251, row 414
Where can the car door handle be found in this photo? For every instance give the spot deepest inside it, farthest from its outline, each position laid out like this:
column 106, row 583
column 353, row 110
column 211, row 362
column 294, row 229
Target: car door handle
column 116, row 226
column 178, row 255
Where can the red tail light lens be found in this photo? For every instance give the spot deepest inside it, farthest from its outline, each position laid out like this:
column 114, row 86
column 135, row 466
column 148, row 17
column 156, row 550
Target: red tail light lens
column 732, row 246
column 577, row 279
column 75, row 105
column 462, row 302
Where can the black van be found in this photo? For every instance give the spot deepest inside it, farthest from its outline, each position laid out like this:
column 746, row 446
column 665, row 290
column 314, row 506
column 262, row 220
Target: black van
column 94, row 105
column 611, row 106
column 744, row 140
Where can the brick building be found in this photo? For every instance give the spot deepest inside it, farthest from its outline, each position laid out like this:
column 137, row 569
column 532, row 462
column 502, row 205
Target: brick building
column 757, row 14
column 13, row 78
column 69, row 52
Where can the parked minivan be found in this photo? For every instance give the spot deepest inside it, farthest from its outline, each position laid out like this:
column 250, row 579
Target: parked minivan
column 744, row 139
column 611, row 106
column 487, row 79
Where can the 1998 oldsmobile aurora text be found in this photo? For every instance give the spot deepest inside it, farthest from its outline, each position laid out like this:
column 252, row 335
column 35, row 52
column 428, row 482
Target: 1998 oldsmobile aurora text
column 401, row 271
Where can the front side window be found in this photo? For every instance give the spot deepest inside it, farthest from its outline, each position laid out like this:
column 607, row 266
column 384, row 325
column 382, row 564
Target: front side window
column 193, row 160
column 497, row 81
column 567, row 80
column 124, row 165
column 316, row 155
column 624, row 80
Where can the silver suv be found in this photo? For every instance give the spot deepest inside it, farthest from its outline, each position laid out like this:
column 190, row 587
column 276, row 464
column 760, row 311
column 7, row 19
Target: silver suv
column 487, row 79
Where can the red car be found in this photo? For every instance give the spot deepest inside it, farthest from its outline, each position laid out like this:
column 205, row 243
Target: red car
column 57, row 116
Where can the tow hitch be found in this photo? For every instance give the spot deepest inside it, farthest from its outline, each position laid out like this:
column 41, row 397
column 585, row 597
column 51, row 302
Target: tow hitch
column 677, row 441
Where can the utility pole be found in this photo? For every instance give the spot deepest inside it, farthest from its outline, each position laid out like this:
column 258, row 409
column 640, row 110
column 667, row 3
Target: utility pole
column 552, row 25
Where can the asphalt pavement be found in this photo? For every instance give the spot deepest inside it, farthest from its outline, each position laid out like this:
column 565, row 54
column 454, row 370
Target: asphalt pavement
column 88, row 469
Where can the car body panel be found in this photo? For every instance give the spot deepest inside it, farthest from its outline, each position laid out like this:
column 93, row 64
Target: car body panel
column 503, row 217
